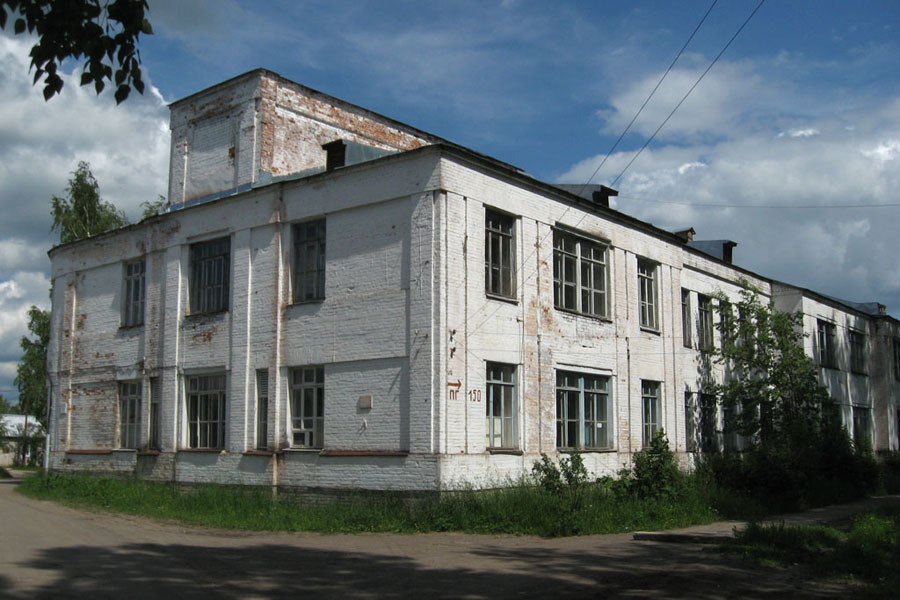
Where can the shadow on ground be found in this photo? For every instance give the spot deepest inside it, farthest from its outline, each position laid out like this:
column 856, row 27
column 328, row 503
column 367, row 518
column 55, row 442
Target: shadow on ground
column 645, row 570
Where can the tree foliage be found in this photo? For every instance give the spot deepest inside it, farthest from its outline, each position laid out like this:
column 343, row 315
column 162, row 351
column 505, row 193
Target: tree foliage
column 6, row 408
column 771, row 385
column 82, row 213
column 151, row 209
column 104, row 33
column 31, row 373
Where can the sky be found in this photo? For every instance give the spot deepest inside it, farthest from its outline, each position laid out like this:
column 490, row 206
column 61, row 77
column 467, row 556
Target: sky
column 789, row 145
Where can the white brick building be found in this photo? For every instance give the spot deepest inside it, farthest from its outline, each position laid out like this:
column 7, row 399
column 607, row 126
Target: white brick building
column 338, row 300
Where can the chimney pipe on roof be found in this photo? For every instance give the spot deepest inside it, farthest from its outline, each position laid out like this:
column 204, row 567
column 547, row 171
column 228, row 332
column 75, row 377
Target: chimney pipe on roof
column 602, row 195
column 687, row 234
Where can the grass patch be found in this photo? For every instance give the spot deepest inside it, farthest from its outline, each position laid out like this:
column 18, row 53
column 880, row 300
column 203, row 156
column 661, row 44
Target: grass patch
column 869, row 551
column 514, row 510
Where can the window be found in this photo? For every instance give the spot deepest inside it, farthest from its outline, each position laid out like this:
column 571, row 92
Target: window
column 647, row 294
column 133, row 305
column 309, row 261
column 308, row 406
column 582, row 411
column 700, row 422
column 129, row 414
column 155, row 439
column 500, row 406
column 499, row 254
column 825, row 337
column 206, row 411
column 650, row 410
column 709, row 414
column 705, row 322
column 862, row 426
column 209, row 276
column 897, row 361
column 579, row 275
column 686, row 318
column 857, row 352
column 732, row 440
column 262, row 409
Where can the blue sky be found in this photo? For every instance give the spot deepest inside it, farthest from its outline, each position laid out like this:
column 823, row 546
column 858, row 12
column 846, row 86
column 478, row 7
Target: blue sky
column 800, row 113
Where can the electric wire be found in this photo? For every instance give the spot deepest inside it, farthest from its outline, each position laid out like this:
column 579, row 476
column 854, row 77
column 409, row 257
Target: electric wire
column 641, row 109
column 696, row 83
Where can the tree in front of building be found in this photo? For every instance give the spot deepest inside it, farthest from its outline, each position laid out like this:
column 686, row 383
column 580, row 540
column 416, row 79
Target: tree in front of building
column 82, row 213
column 771, row 393
column 31, row 372
column 104, row 33
column 796, row 452
column 6, row 408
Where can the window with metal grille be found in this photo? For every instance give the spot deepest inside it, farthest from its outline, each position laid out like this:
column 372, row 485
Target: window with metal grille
column 705, row 322
column 651, row 411
column 129, row 414
column 308, row 406
column 155, row 436
column 862, row 426
column 209, row 276
column 262, row 409
column 582, row 411
column 133, row 305
column 686, row 320
column 500, row 406
column 499, row 254
column 579, row 275
column 825, row 337
column 647, row 294
column 858, row 352
column 309, row 261
column 206, row 411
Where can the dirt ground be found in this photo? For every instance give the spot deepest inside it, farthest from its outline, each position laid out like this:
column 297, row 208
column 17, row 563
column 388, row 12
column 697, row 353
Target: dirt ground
column 50, row 551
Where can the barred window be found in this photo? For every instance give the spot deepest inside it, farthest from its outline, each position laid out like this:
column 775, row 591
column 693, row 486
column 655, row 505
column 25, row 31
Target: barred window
column 651, row 411
column 129, row 414
column 308, row 406
column 686, row 320
column 499, row 254
column 582, row 411
column 705, row 322
column 309, row 261
column 500, row 406
column 825, row 337
column 579, row 275
column 206, row 411
column 133, row 305
column 155, row 437
column 858, row 352
column 647, row 294
column 209, row 276
column 262, row 409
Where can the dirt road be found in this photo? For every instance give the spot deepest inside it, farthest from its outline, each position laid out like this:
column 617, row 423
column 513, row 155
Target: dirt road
column 49, row 551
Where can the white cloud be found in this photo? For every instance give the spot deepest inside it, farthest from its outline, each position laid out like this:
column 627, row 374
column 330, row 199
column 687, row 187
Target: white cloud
column 849, row 253
column 126, row 145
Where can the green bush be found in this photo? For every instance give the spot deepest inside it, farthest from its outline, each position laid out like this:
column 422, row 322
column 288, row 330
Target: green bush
column 654, row 473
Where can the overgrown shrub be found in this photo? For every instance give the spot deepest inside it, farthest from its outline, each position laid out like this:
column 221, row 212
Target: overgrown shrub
column 654, row 473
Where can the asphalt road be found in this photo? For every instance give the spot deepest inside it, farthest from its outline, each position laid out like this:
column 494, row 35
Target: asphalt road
column 50, row 551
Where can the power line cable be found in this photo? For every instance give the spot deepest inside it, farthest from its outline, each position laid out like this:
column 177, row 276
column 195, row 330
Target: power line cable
column 641, row 109
column 719, row 205
column 696, row 83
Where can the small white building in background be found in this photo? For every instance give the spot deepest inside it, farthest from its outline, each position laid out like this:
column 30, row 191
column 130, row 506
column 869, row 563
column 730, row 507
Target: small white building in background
column 15, row 430
column 337, row 300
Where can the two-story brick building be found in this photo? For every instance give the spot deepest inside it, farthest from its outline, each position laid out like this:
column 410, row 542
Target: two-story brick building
column 335, row 300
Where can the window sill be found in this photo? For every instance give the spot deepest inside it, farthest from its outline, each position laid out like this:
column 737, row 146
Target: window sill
column 585, row 450
column 863, row 373
column 258, row 453
column 306, row 302
column 202, row 450
column 506, row 299
column 131, row 327
column 149, row 452
column 646, row 329
column 575, row 313
column 401, row 453
column 510, row 451
column 301, row 449
column 89, row 451
column 198, row 316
